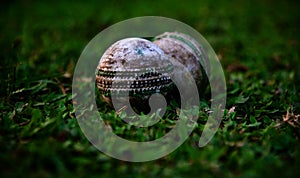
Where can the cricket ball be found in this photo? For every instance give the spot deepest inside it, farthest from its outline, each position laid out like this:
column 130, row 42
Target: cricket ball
column 188, row 52
column 134, row 69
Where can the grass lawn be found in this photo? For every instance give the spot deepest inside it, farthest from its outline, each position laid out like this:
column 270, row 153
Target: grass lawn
column 257, row 43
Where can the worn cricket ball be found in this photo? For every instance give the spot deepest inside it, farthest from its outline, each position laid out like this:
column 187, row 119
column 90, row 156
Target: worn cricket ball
column 134, row 68
column 188, row 52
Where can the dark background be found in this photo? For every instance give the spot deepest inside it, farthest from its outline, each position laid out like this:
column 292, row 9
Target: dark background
column 257, row 43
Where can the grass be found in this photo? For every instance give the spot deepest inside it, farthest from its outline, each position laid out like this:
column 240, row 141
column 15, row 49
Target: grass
column 257, row 43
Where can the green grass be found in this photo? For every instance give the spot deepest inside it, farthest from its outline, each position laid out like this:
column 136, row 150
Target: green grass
column 257, row 43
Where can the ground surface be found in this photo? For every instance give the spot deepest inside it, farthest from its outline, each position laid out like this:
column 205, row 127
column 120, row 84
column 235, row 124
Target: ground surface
column 257, row 43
